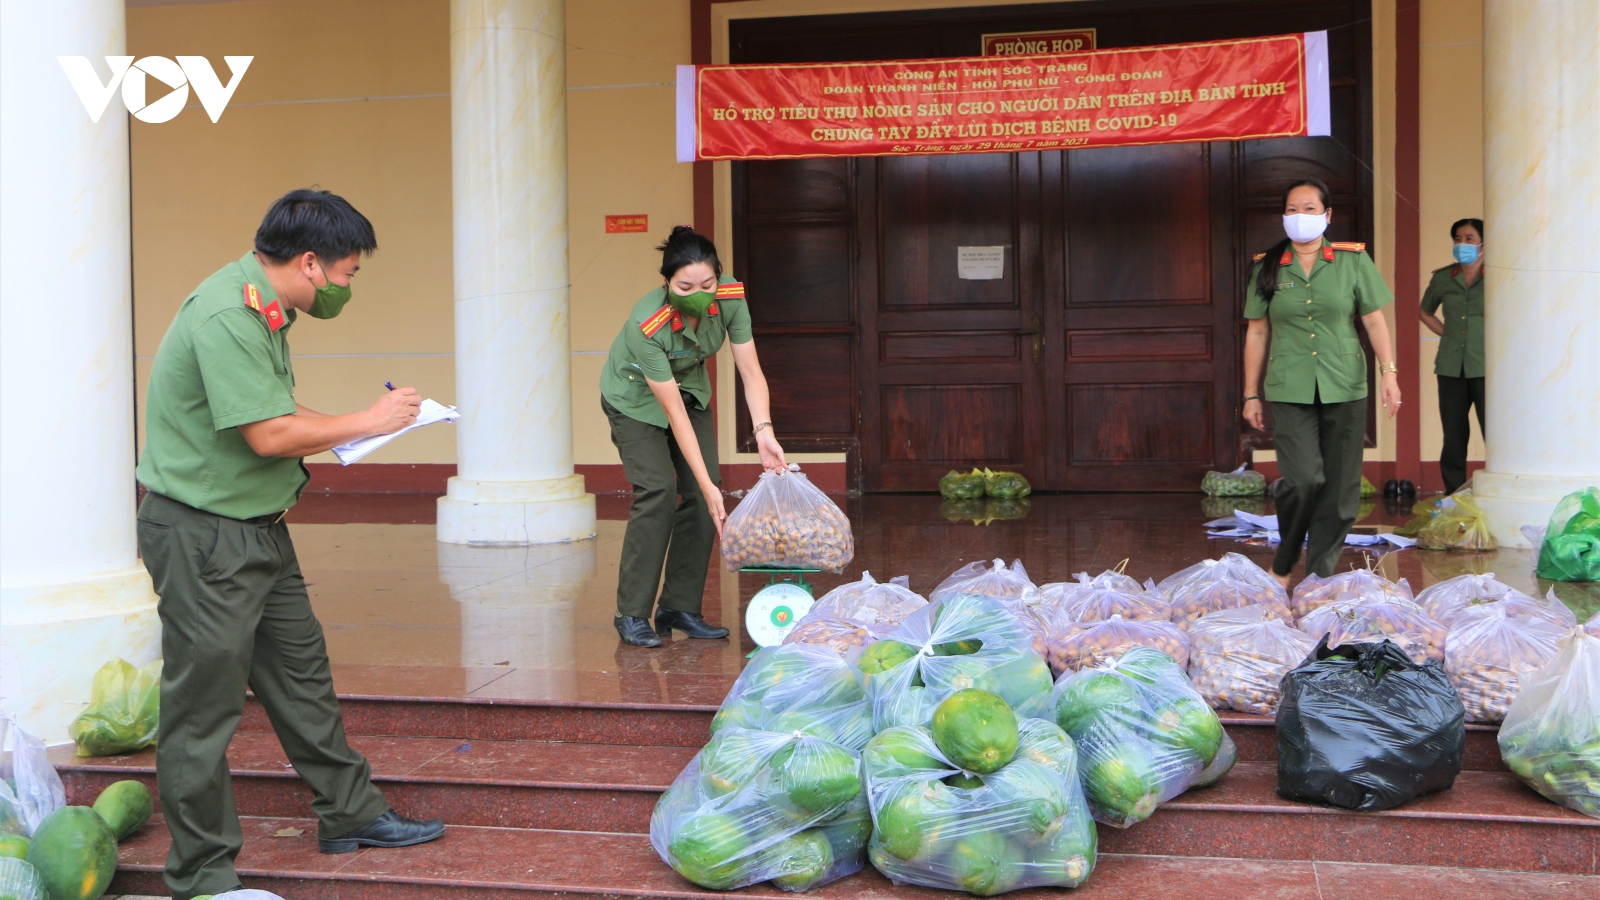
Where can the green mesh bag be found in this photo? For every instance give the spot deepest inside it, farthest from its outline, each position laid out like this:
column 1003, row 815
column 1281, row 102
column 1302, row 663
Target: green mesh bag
column 1241, row 482
column 1571, row 547
column 962, row 485
column 1006, row 485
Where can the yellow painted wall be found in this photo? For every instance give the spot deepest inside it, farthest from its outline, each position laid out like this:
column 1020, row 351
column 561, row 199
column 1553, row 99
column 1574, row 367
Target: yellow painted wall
column 1452, row 167
column 353, row 96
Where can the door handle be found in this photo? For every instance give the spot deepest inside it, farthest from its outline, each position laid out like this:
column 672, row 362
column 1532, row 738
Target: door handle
column 1038, row 339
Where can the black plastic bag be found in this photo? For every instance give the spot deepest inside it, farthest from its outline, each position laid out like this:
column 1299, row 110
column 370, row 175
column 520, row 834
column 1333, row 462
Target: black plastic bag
column 1364, row 727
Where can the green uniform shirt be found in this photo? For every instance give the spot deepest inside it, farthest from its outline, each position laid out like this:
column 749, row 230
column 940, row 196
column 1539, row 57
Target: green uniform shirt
column 220, row 367
column 1316, row 352
column 1461, row 345
column 659, row 344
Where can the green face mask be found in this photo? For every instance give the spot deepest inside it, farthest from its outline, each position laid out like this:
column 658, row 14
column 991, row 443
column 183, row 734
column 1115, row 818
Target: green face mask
column 694, row 304
column 330, row 299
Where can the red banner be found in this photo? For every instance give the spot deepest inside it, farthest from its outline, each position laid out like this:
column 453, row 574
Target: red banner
column 1217, row 90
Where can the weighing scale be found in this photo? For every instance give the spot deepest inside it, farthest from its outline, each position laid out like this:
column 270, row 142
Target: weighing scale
column 775, row 609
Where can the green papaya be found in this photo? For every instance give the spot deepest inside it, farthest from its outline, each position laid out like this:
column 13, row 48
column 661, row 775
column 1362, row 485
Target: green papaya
column 816, row 776
column 912, row 817
column 707, row 849
column 898, row 751
column 883, row 656
column 1122, row 783
column 1047, row 745
column 1069, row 856
column 1032, row 791
column 741, row 713
column 964, row 781
column 75, row 853
column 804, row 859
column 976, row 730
column 19, row 880
column 125, row 806
column 10, row 821
column 984, row 863
column 1093, row 694
column 730, row 761
column 1148, row 666
column 1193, row 725
column 14, row 846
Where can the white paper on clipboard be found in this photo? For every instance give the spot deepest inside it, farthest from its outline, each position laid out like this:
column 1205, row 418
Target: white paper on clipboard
column 429, row 414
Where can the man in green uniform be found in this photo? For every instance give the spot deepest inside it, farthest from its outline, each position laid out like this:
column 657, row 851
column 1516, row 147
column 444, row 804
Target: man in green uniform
column 222, row 462
column 1459, row 365
column 1316, row 376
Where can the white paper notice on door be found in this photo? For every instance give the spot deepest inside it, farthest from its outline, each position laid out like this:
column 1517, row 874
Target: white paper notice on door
column 981, row 263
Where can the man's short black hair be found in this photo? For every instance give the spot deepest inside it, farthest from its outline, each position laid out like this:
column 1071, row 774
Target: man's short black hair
column 319, row 221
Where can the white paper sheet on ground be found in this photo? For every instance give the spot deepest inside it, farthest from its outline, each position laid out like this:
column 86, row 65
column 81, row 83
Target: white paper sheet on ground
column 1270, row 523
column 429, row 414
column 1398, row 540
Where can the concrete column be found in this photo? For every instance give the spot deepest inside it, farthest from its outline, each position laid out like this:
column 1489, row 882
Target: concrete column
column 1541, row 74
column 508, row 125
column 73, row 594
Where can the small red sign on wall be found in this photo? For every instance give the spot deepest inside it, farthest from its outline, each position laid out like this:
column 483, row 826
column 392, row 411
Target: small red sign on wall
column 627, row 224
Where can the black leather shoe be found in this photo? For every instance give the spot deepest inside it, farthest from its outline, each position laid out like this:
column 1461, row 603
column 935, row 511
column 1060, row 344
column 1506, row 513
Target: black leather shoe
column 692, row 624
column 1391, row 488
column 636, row 631
column 1407, row 489
column 388, row 830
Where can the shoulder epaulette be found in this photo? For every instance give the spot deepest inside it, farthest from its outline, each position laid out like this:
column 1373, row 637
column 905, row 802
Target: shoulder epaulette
column 1356, row 246
column 657, row 319
column 1260, row 256
column 733, row 290
column 272, row 312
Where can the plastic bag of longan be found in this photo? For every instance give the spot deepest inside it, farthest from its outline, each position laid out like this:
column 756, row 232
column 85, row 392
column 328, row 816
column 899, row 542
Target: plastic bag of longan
column 786, row 522
column 1367, row 621
column 1238, row 657
column 1487, row 654
column 1097, row 643
column 1356, row 584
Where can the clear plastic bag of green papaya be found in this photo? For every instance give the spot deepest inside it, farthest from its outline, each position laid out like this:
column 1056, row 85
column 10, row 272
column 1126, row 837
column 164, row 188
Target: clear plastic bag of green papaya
column 758, row 805
column 807, row 688
column 936, row 825
column 1241, row 482
column 958, row 642
column 1144, row 734
column 1571, row 547
column 1010, row 586
column 124, row 711
column 1005, row 485
column 1551, row 736
column 962, row 485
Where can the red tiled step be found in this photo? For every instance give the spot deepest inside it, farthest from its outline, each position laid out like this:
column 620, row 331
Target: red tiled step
column 1487, row 820
column 516, row 784
column 498, row 864
column 1257, row 739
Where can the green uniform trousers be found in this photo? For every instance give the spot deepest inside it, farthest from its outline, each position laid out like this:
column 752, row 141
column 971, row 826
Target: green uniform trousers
column 1457, row 398
column 668, row 524
column 234, row 612
column 1319, row 455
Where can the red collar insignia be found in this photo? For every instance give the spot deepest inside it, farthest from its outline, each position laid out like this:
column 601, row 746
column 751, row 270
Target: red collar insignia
column 677, row 322
column 1327, row 252
column 271, row 311
column 1288, row 256
column 712, row 309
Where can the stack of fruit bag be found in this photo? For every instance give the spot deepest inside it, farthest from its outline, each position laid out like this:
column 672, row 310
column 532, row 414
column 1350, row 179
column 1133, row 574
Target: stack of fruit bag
column 979, row 802
column 1449, row 598
column 1143, row 734
column 1210, row 585
column 786, row 522
column 1365, row 620
column 964, row 641
column 1082, row 645
column 1010, row 587
column 776, row 795
column 1070, row 609
column 1238, row 657
column 857, row 613
column 1356, row 584
column 73, row 852
column 1551, row 735
column 1490, row 650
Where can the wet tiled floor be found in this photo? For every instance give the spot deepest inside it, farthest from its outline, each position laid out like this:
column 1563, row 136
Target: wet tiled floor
column 407, row 615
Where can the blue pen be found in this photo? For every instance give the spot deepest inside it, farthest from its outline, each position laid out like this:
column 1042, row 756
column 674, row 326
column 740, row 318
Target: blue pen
column 388, row 385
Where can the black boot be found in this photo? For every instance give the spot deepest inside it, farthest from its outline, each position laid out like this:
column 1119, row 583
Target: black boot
column 388, row 830
column 1407, row 489
column 636, row 631
column 692, row 624
column 1391, row 488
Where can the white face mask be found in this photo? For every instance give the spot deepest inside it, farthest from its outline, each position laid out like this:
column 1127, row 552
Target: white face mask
column 1305, row 227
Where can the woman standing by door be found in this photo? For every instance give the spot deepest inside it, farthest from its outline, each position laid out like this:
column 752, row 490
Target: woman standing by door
column 1459, row 364
column 656, row 393
column 1305, row 293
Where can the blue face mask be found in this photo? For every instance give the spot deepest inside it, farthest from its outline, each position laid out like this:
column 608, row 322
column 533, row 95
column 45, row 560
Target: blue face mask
column 1466, row 254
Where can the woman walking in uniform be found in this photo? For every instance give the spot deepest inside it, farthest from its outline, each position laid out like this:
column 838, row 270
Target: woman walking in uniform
column 1459, row 364
column 656, row 393
column 1306, row 292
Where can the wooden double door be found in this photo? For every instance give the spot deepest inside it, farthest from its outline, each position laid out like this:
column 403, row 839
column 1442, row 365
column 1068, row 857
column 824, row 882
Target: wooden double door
column 1107, row 355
